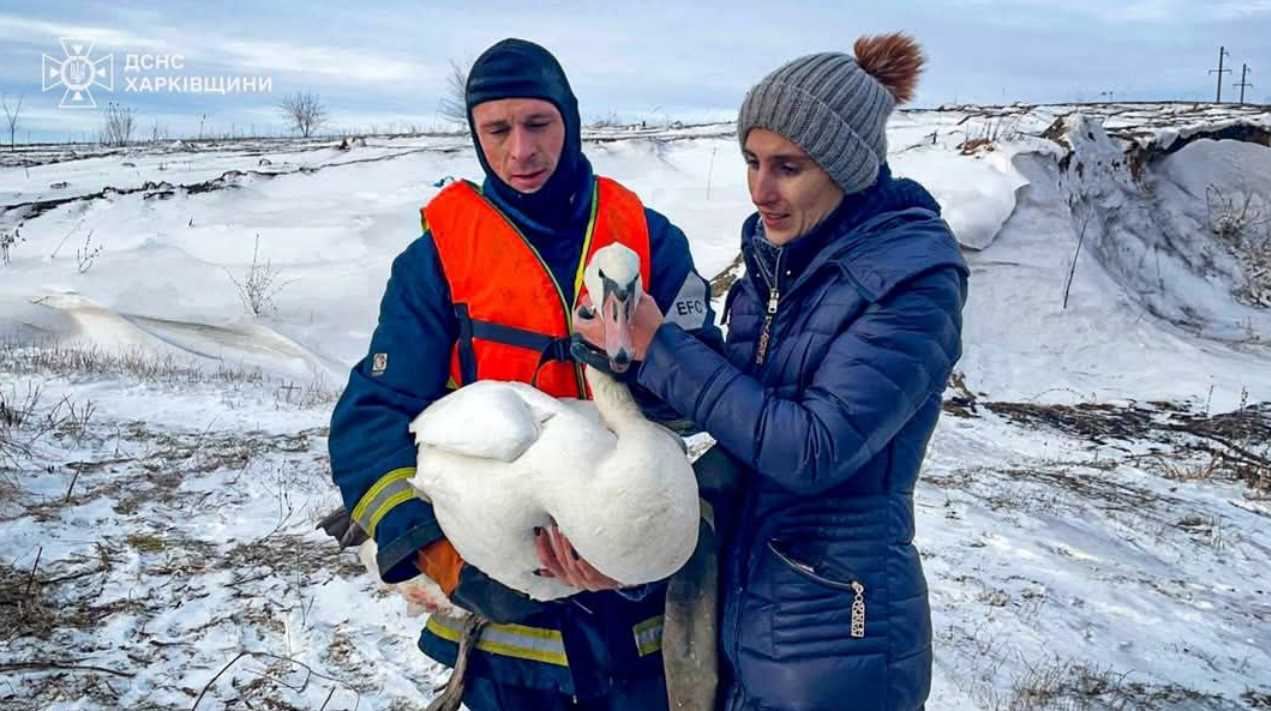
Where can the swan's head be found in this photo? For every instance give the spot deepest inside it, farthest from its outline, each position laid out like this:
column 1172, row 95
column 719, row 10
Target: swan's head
column 613, row 282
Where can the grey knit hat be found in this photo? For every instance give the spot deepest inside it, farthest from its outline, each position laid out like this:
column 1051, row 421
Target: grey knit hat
column 832, row 108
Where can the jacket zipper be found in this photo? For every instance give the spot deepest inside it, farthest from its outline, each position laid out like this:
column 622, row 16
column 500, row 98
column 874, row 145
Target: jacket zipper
column 738, row 572
column 854, row 586
column 774, row 301
column 742, row 570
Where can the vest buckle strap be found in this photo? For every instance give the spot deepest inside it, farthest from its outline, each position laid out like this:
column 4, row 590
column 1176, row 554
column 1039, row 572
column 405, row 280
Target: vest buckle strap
column 548, row 347
column 510, row 335
column 556, row 350
column 467, row 354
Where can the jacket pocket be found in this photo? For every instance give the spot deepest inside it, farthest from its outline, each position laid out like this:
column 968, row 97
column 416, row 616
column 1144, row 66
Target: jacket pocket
column 812, row 661
column 834, row 581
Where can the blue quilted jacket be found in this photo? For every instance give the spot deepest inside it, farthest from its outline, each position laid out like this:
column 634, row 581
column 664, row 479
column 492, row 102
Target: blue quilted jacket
column 825, row 603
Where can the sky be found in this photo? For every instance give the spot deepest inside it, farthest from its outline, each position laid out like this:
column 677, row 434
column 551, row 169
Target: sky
column 383, row 66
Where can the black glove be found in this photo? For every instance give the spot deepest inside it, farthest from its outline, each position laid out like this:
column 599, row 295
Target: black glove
column 591, row 356
column 479, row 593
column 340, row 525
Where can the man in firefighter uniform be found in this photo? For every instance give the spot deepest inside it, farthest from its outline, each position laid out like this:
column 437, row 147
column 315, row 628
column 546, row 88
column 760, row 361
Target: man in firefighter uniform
column 487, row 292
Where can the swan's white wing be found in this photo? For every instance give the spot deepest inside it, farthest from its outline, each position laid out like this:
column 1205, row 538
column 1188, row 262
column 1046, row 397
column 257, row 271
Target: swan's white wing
column 487, row 419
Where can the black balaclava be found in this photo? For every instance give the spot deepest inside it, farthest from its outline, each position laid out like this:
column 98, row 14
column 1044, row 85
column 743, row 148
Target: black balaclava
column 517, row 69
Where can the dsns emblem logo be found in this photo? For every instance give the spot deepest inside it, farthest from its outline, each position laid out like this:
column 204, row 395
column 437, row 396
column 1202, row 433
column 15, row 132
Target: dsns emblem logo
column 77, row 72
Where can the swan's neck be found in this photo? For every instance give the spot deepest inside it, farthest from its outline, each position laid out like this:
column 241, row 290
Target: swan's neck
column 614, row 401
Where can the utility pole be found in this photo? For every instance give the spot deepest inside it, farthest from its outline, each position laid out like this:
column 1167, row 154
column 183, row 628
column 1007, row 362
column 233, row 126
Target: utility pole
column 1244, row 83
column 1222, row 52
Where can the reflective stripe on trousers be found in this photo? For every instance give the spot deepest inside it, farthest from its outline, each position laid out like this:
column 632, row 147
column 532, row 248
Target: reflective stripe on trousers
column 537, row 644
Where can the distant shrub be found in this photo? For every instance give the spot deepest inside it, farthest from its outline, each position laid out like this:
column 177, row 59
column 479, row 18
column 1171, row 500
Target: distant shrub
column 118, row 123
column 259, row 285
column 8, row 240
column 1241, row 220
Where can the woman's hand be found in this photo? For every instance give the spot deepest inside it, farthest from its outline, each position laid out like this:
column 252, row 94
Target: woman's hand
column 644, row 323
column 561, row 561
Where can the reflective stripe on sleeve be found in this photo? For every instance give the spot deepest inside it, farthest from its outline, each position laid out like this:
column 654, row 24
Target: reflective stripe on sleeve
column 391, row 490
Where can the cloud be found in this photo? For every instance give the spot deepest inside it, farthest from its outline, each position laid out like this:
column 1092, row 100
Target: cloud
column 1143, row 12
column 204, row 49
column 328, row 62
column 642, row 59
column 37, row 32
column 1242, row 9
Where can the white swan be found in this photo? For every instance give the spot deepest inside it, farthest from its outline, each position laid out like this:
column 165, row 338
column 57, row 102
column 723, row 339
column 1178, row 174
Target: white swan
column 498, row 459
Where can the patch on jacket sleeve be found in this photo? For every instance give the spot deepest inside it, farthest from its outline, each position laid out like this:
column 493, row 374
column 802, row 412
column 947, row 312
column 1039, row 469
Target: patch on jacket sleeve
column 688, row 310
column 379, row 364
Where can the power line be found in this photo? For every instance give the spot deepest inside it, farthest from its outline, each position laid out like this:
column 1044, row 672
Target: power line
column 1244, row 83
column 1222, row 52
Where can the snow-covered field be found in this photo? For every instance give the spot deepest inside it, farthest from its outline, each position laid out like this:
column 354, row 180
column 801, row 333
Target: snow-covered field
column 1093, row 516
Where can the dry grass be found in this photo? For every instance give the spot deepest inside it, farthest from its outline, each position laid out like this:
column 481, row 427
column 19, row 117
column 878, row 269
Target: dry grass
column 8, row 240
column 723, row 281
column 1105, row 492
column 1256, row 699
column 1174, row 469
column 259, row 285
column 23, row 608
column 155, row 475
column 76, row 362
column 50, row 614
column 1232, row 446
column 39, row 599
column 1067, row 684
column 73, row 361
column 290, row 555
column 16, row 410
column 315, row 393
column 963, row 402
column 1237, row 217
column 24, row 421
column 1063, row 685
column 1096, row 422
column 991, row 130
column 1241, row 221
column 971, row 146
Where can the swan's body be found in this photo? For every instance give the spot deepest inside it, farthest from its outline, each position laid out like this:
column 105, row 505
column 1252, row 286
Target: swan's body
column 498, row 459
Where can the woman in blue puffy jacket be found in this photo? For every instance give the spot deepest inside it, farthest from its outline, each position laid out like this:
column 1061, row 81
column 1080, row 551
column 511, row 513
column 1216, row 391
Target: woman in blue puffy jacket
column 842, row 335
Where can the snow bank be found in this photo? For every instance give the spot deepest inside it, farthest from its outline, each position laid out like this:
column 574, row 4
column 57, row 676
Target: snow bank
column 976, row 192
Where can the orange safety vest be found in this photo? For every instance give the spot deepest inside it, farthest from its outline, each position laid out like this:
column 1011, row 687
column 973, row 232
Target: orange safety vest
column 514, row 321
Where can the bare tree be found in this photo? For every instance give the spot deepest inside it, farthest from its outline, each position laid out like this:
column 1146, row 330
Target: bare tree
column 117, row 125
column 304, row 111
column 454, row 104
column 11, row 115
